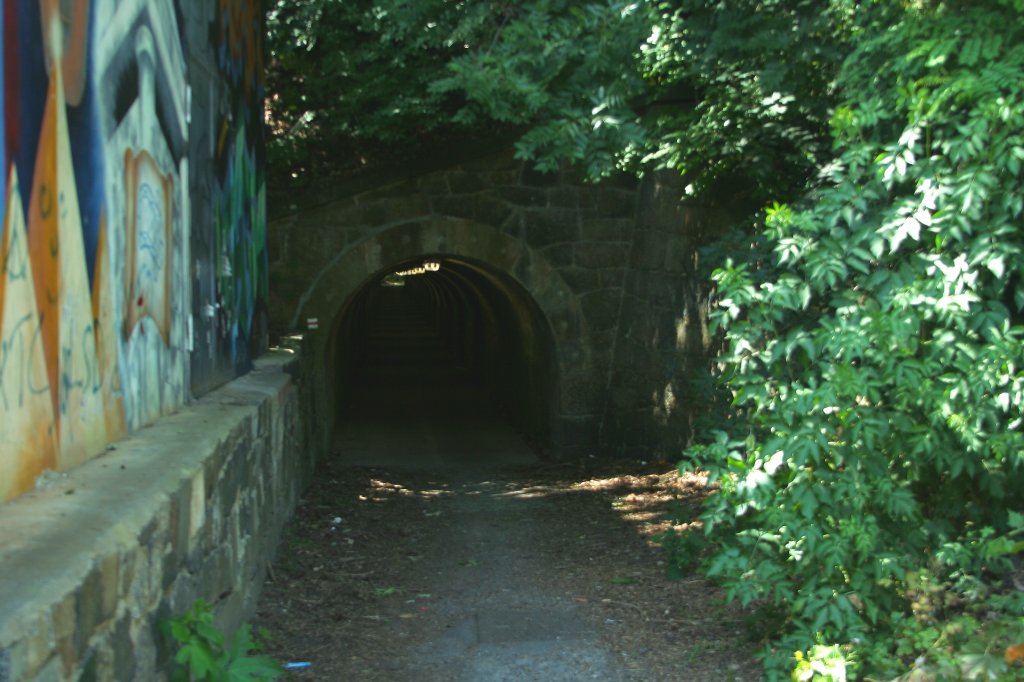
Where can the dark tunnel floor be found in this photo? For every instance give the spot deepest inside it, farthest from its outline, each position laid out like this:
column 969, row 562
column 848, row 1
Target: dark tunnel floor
column 413, row 425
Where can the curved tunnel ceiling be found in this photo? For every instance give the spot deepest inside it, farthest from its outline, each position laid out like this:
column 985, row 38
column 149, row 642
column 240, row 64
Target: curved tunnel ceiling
column 461, row 339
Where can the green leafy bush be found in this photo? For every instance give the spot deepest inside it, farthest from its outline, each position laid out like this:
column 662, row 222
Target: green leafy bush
column 874, row 494
column 823, row 664
column 204, row 655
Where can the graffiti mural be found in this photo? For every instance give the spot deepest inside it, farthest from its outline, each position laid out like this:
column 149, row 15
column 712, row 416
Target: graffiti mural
column 95, row 297
column 239, row 221
column 240, row 244
column 229, row 248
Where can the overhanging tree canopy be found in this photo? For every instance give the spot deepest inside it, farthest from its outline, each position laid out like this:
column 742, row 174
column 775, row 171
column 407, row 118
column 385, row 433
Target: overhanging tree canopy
column 739, row 95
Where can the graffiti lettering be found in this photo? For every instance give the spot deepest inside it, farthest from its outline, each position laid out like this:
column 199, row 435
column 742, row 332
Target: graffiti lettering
column 79, row 372
column 16, row 380
column 15, row 266
column 151, row 245
column 45, row 201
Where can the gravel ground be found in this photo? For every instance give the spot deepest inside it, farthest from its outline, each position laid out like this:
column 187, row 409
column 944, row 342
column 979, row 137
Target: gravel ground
column 514, row 573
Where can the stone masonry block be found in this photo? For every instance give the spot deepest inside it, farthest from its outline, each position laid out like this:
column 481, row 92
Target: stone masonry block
column 581, row 280
column 601, row 308
column 581, row 395
column 550, row 227
column 37, row 638
column 65, row 623
column 216, row 579
column 90, row 604
column 614, row 203
column 51, row 672
column 433, row 184
column 563, row 197
column 648, row 251
column 398, row 189
column 579, row 434
column 665, row 290
column 109, row 569
column 601, row 255
column 90, row 667
column 126, row 572
column 246, row 517
column 480, row 208
column 182, row 595
column 197, row 507
column 681, row 255
column 603, row 229
column 179, row 523
column 461, row 182
column 501, row 178
column 558, row 255
column 612, row 277
column 529, row 197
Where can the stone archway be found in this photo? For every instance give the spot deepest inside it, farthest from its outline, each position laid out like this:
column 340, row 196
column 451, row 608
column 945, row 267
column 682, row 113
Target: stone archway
column 544, row 328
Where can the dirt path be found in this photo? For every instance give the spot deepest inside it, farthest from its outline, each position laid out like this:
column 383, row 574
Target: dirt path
column 466, row 560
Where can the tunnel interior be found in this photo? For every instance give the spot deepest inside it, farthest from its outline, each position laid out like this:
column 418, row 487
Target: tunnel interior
column 444, row 337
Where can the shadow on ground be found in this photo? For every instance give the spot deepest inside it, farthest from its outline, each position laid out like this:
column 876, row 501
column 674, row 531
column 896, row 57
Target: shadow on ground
column 487, row 568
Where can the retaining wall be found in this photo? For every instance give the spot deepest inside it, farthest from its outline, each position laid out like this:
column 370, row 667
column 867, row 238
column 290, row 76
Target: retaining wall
column 192, row 506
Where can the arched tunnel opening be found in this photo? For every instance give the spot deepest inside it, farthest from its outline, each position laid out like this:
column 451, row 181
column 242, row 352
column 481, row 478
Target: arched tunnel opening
column 447, row 341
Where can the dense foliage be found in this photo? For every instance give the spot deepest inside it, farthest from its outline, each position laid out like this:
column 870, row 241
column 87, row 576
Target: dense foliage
column 348, row 82
column 727, row 93
column 731, row 96
column 875, row 499
column 871, row 480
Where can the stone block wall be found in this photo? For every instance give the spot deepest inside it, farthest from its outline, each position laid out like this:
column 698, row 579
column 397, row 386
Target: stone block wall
column 614, row 268
column 660, row 383
column 565, row 242
column 189, row 507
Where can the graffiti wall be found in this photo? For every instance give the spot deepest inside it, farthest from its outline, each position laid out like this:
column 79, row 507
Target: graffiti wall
column 229, row 241
column 97, row 312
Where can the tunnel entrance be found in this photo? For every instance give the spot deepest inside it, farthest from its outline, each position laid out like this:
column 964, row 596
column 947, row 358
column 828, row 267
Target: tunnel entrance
column 432, row 354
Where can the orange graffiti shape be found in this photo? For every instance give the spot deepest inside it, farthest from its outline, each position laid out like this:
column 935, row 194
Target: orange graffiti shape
column 44, row 237
column 73, row 18
column 106, row 339
column 62, row 289
column 240, row 33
